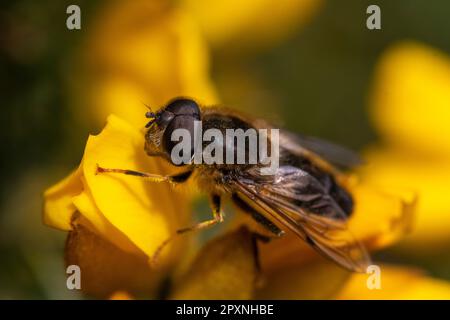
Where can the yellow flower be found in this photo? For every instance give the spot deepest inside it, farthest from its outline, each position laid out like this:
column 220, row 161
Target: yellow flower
column 410, row 108
column 411, row 98
column 116, row 224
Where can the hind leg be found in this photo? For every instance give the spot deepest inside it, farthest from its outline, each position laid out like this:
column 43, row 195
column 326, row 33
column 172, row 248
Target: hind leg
column 258, row 217
column 216, row 208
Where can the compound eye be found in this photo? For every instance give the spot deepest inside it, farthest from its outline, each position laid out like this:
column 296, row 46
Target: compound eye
column 165, row 118
column 185, row 136
column 183, row 106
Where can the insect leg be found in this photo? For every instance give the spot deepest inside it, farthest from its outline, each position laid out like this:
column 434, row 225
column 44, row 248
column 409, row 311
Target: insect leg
column 215, row 203
column 258, row 217
column 176, row 178
column 267, row 224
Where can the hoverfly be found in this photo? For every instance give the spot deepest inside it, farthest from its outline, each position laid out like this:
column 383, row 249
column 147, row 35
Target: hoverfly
column 303, row 196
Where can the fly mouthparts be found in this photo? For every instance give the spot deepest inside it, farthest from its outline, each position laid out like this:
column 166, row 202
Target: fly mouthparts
column 150, row 115
column 149, row 123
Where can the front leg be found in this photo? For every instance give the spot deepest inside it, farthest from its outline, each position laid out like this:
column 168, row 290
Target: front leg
column 216, row 208
column 176, row 178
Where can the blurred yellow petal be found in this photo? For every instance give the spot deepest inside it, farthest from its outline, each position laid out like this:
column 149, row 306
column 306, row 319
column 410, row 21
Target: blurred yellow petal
column 106, row 269
column 144, row 52
column 58, row 205
column 86, row 206
column 225, row 268
column 381, row 216
column 145, row 212
column 411, row 98
column 239, row 24
column 121, row 295
column 314, row 280
column 118, row 222
column 324, row 280
column 410, row 108
column 396, row 283
column 118, row 95
column 430, row 180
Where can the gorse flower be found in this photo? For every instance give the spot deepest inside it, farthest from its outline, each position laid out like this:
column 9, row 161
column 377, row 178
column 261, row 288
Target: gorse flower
column 150, row 52
column 114, row 219
column 117, row 223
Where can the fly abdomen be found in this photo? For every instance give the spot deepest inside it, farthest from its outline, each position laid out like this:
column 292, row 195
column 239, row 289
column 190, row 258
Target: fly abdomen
column 319, row 192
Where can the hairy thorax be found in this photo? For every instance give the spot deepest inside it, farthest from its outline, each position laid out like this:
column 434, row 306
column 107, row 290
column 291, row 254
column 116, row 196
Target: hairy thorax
column 213, row 178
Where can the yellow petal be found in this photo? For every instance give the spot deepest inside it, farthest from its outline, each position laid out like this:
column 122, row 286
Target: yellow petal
column 277, row 253
column 147, row 213
column 86, row 206
column 381, row 216
column 224, row 269
column 58, row 206
column 250, row 23
column 411, row 98
column 119, row 95
column 313, row 280
column 106, row 269
column 396, row 283
column 429, row 179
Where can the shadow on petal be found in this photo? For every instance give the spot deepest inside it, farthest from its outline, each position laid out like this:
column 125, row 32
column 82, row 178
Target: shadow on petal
column 224, row 269
column 318, row 279
column 106, row 269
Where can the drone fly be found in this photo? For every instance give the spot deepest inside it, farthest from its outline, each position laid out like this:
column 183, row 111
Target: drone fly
column 303, row 195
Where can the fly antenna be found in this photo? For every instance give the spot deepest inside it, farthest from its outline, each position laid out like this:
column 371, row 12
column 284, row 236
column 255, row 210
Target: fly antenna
column 148, row 107
column 150, row 114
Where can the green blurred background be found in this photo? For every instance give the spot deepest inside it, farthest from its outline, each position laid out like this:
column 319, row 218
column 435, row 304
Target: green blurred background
column 318, row 79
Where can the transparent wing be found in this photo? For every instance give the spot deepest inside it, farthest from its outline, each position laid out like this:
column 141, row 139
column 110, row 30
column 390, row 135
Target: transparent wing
column 339, row 156
column 282, row 198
